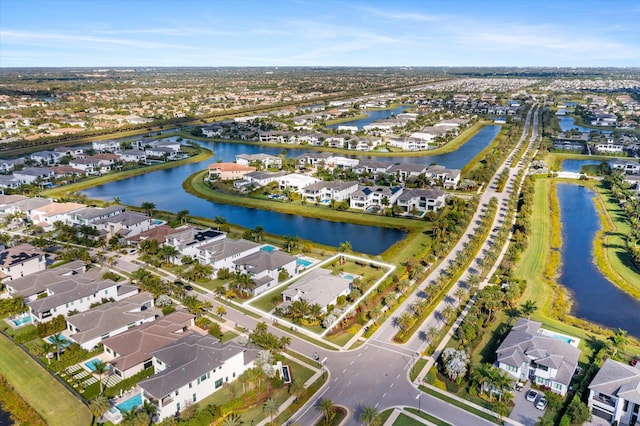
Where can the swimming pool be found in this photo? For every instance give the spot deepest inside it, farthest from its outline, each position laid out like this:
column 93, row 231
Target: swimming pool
column 267, row 248
column 348, row 277
column 570, row 340
column 131, row 403
column 65, row 342
column 303, row 262
column 91, row 364
column 21, row 319
column 158, row 221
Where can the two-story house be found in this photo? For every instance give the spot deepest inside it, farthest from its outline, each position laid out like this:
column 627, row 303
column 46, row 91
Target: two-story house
column 264, row 268
column 21, row 260
column 546, row 358
column 614, row 393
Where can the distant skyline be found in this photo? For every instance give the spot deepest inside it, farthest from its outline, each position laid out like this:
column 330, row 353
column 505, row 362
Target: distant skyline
column 146, row 33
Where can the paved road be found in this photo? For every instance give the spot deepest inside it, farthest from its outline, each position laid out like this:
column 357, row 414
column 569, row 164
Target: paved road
column 376, row 374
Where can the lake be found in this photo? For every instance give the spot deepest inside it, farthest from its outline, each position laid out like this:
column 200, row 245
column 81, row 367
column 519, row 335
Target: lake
column 164, row 188
column 375, row 115
column 574, row 165
column 595, row 298
column 568, row 123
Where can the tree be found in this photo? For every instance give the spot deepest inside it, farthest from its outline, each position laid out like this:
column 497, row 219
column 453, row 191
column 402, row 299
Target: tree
column 369, row 416
column 291, row 242
column 327, row 408
column 233, row 419
column 448, row 313
column 148, row 207
column 97, row 407
column 578, row 412
column 528, row 308
column 58, row 341
column 221, row 310
column 257, row 233
column 405, row 320
column 432, row 335
column 297, row 388
column 101, row 368
column 455, row 363
column 168, row 252
column 182, row 215
column 345, row 247
column 618, row 341
column 271, row 406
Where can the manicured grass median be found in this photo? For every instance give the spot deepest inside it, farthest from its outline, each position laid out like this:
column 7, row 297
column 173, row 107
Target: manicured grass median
column 48, row 397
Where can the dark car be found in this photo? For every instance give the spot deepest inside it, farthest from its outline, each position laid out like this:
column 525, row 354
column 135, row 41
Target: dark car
column 188, row 287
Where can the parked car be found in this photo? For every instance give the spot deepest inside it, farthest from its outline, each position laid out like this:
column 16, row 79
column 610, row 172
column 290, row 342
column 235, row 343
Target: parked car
column 542, row 403
column 531, row 395
column 188, row 287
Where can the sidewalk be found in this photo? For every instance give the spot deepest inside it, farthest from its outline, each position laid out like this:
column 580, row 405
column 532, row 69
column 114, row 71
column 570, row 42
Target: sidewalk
column 396, row 413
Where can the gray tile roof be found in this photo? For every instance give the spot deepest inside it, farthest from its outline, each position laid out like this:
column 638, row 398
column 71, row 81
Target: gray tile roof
column 68, row 291
column 264, row 261
column 112, row 316
column 318, row 286
column 127, row 219
column 38, row 282
column 187, row 359
column 226, row 248
column 619, row 380
column 136, row 345
column 18, row 254
column 524, row 343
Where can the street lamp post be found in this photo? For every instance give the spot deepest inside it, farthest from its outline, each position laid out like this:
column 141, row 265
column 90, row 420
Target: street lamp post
column 418, row 398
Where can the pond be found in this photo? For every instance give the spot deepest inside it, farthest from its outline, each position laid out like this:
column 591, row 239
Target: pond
column 574, row 165
column 567, row 123
column 595, row 298
column 375, row 115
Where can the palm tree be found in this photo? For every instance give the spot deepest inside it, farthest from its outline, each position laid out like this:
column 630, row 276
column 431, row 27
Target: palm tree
column 257, row 233
column 101, row 368
column 404, row 321
column 291, row 242
column 221, row 311
column 168, row 252
column 345, row 247
column 483, row 376
column 369, row 416
column 528, row 308
column 97, row 406
column 148, row 207
column 271, row 407
column 619, row 341
column 232, row 419
column 328, row 409
column 297, row 388
column 58, row 341
column 460, row 294
column 182, row 215
column 432, row 335
column 448, row 313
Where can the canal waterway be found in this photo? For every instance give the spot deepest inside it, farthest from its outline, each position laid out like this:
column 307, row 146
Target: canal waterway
column 595, row 298
column 164, row 188
column 567, row 123
column 574, row 165
column 374, row 115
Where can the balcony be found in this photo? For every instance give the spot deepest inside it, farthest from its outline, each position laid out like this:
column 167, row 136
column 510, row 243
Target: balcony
column 604, row 399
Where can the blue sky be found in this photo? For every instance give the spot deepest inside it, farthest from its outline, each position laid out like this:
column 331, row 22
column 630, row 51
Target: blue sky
column 99, row 33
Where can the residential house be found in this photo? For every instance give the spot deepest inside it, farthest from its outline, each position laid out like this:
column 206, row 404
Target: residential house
column 264, row 268
column 449, row 178
column 411, row 143
column 189, row 240
column 295, row 182
column 223, row 252
column 158, row 233
column 125, row 225
column 9, row 182
column 90, row 215
column 33, row 175
column 609, row 147
column 130, row 352
column 628, row 167
column 614, row 393
column 403, row 172
column 531, row 352
column 191, row 369
column 7, row 166
column 266, row 160
column 34, row 285
column 420, row 201
column 133, row 156
column 26, row 205
column 377, row 197
column 76, row 294
column 229, row 171
column 110, row 319
column 263, row 178
column 21, row 260
column 372, row 167
column 314, row 159
column 106, row 146
column 319, row 286
column 47, row 216
column 326, row 191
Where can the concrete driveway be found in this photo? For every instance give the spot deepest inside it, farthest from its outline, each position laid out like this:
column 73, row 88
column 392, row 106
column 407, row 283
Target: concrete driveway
column 524, row 411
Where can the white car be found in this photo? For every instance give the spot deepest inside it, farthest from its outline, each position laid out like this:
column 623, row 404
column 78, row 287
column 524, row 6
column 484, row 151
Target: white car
column 542, row 403
column 531, row 395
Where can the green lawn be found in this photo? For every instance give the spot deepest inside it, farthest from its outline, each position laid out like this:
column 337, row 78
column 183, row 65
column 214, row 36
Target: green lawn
column 531, row 268
column 428, row 417
column 48, row 397
column 404, row 420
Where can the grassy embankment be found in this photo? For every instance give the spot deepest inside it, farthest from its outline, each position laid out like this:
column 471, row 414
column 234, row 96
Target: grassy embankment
column 554, row 159
column 453, row 145
column 417, row 240
column 115, row 176
column 477, row 160
column 41, row 391
column 539, row 266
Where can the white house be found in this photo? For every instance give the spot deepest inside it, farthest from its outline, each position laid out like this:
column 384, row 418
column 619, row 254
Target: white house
column 130, row 352
column 125, row 225
column 46, row 216
column 296, row 182
column 189, row 240
column 192, row 368
column 106, row 146
column 332, row 190
column 374, row 196
column 319, row 286
column 546, row 358
column 614, row 393
column 409, row 144
column 450, row 178
column 421, row 200
column 110, row 319
column 223, row 252
column 133, row 155
column 268, row 161
column 609, row 147
column 21, row 260
column 628, row 167
column 30, row 175
column 264, row 268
